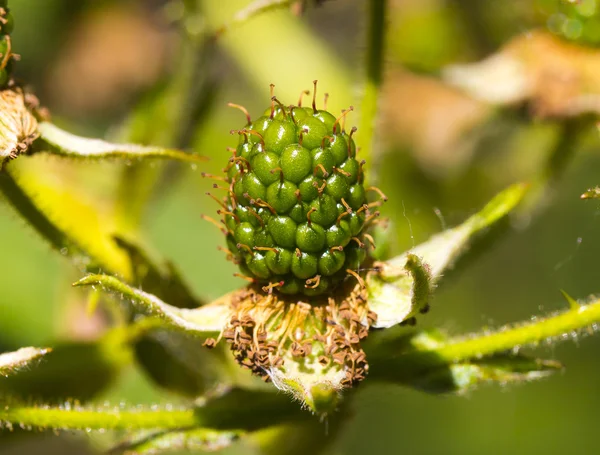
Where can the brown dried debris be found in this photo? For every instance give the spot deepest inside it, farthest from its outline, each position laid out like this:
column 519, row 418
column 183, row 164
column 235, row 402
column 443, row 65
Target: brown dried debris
column 19, row 127
column 267, row 330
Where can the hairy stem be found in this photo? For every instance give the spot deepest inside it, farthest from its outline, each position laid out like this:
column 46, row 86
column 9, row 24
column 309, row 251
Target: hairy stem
column 413, row 357
column 578, row 317
column 78, row 418
column 236, row 409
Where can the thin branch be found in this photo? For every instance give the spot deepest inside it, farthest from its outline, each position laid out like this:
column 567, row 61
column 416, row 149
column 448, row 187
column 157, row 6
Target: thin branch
column 577, row 318
column 235, row 409
column 441, row 351
column 73, row 417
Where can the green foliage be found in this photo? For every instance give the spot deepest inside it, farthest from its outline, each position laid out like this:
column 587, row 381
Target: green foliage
column 295, row 216
column 575, row 21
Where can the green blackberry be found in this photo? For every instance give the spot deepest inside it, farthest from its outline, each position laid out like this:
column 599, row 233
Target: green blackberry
column 295, row 211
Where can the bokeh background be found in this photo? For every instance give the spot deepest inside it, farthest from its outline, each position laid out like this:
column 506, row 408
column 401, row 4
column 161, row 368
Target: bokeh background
column 440, row 154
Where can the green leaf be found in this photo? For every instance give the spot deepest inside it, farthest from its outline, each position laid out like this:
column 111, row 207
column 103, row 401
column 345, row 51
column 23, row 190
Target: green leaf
column 499, row 369
column 412, row 360
column 60, row 142
column 72, row 370
column 163, row 281
column 179, row 364
column 71, row 223
column 201, row 322
column 443, row 363
column 402, row 287
column 203, row 439
column 174, row 361
column 12, row 362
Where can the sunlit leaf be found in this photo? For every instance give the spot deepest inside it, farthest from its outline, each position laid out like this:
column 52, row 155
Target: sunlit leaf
column 70, row 221
column 203, row 322
column 12, row 362
column 403, row 286
column 71, row 370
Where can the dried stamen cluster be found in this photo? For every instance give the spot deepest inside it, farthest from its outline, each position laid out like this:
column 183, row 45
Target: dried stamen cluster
column 300, row 344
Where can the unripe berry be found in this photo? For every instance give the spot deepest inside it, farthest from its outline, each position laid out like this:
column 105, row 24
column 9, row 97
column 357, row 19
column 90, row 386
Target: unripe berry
column 296, row 211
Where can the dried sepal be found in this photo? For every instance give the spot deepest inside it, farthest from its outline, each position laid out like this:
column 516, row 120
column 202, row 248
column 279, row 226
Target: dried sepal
column 309, row 350
column 18, row 126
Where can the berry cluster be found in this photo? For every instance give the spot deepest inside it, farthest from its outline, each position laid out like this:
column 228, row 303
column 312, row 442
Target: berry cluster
column 295, row 212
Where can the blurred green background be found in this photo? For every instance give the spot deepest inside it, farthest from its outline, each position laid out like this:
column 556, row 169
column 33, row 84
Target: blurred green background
column 92, row 63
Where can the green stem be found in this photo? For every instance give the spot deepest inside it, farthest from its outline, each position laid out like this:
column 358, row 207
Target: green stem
column 75, row 418
column 578, row 317
column 374, row 74
column 412, row 357
column 237, row 409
